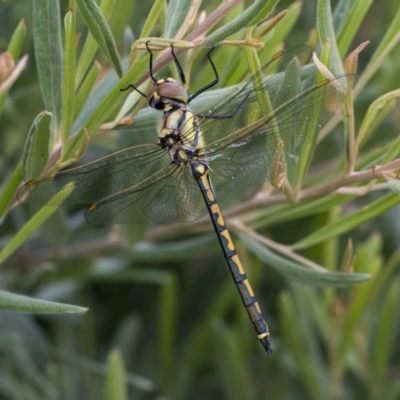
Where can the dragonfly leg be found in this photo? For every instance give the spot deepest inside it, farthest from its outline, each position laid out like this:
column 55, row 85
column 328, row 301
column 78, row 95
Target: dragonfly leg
column 179, row 68
column 211, row 84
column 226, row 116
column 135, row 88
column 150, row 71
column 151, row 63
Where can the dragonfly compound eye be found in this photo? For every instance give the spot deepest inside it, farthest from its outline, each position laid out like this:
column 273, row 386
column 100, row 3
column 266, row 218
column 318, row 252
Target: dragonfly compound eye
column 166, row 93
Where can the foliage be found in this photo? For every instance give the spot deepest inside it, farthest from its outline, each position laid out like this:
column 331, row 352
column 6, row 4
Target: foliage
column 164, row 318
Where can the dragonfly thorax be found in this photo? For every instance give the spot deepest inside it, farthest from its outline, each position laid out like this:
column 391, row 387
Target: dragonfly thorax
column 167, row 94
column 180, row 134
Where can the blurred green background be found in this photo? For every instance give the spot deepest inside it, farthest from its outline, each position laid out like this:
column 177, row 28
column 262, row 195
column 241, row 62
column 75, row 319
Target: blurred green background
column 164, row 319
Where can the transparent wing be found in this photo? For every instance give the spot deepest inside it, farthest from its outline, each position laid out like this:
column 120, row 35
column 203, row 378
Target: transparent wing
column 138, row 184
column 171, row 194
column 268, row 78
column 96, row 180
column 261, row 125
column 251, row 153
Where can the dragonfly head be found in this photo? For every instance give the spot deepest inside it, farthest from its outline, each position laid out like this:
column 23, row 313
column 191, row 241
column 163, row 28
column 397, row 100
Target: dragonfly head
column 167, row 92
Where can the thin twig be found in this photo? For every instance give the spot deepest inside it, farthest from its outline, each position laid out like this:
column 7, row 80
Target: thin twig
column 278, row 247
column 262, row 199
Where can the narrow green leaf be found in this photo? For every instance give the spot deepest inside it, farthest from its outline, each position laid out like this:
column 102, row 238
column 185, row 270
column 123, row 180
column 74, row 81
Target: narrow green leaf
column 394, row 185
column 392, row 152
column 36, row 150
column 275, row 38
column 296, row 342
column 127, row 335
column 86, row 87
column 349, row 222
column 14, row 50
column 68, row 99
column 264, row 12
column 272, row 42
column 90, row 47
column 230, row 363
column 108, row 104
column 154, row 14
column 177, row 250
column 83, row 364
column 168, row 323
column 299, row 273
column 391, row 40
column 30, row 227
column 351, row 24
column 367, row 259
column 101, row 32
column 49, row 54
column 16, row 302
column 290, row 212
column 307, row 153
column 10, row 188
column 382, row 105
column 262, row 95
column 326, row 31
column 385, row 340
column 242, row 21
column 176, row 14
column 116, row 388
column 17, row 40
column 390, row 35
column 129, row 39
column 137, row 275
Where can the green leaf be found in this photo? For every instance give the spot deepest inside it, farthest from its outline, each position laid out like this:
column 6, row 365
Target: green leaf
column 10, row 188
column 108, row 104
column 388, row 43
column 116, row 388
column 90, row 47
column 275, row 38
column 168, row 322
column 84, row 364
column 296, row 342
column 394, row 184
column 68, row 99
column 298, row 273
column 391, row 33
column 30, row 227
column 351, row 24
column 368, row 258
column 386, row 340
column 326, row 31
column 290, row 212
column 176, row 14
column 17, row 40
column 49, row 54
column 177, row 250
column 349, row 222
column 16, row 302
column 377, row 111
column 14, row 49
column 86, row 87
column 229, row 362
column 152, row 18
column 264, row 12
column 272, row 42
column 36, row 150
column 100, row 30
column 242, row 21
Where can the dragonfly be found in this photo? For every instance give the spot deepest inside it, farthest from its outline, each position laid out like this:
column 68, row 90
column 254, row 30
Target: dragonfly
column 250, row 135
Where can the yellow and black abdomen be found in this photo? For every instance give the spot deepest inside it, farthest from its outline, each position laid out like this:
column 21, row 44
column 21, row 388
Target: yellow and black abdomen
column 201, row 173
